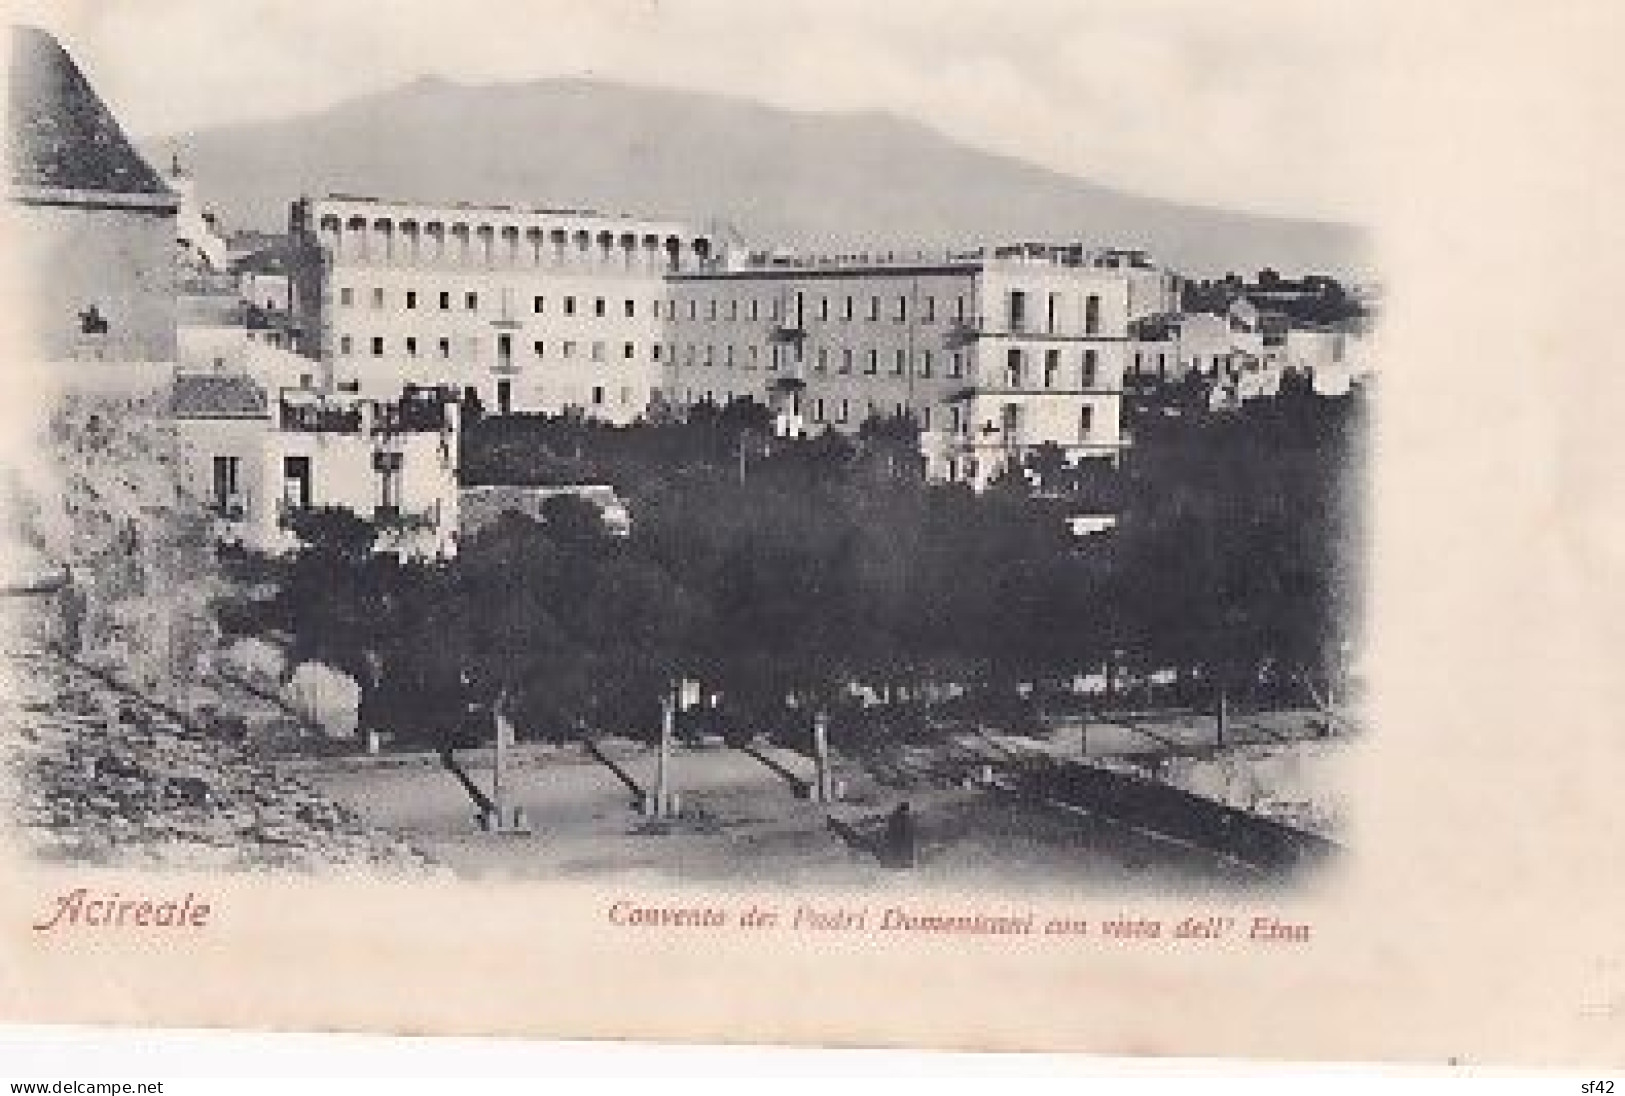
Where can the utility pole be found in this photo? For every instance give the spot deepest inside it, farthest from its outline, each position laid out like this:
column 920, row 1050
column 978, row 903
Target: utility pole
column 1223, row 716
column 668, row 720
column 504, row 728
column 822, row 790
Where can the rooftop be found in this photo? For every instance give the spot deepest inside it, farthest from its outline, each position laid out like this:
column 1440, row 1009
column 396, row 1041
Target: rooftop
column 217, row 396
column 493, row 207
column 60, row 135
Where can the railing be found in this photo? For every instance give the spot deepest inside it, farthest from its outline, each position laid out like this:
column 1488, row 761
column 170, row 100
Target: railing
column 410, row 417
column 317, row 418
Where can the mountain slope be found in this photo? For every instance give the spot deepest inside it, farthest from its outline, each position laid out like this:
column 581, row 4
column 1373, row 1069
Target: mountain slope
column 816, row 181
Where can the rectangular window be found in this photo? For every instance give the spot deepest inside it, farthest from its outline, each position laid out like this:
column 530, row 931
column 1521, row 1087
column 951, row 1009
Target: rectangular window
column 569, row 348
column 346, row 345
column 751, row 364
column 823, row 359
column 378, row 298
column 711, row 309
column 1091, row 368
column 411, row 346
column 411, row 298
column 536, row 304
column 628, row 351
column 471, row 301
column 538, row 346
column 388, row 467
column 1091, row 315
column 445, row 302
column 925, row 418
column 597, row 351
column 873, row 365
column 874, row 308
column 377, row 346
column 900, row 363
column 930, row 310
column 1086, row 423
column 693, row 310
column 956, row 366
column 733, row 310
column 346, row 296
column 1051, row 311
column 1052, row 367
column 925, row 363
column 296, row 491
column 1013, row 368
column 818, row 411
column 656, row 350
column 754, row 312
column 226, row 470
column 1017, row 309
column 728, row 356
column 845, row 412
column 598, row 306
column 445, row 348
column 848, row 314
column 569, row 306
column 631, row 308
column 823, row 308
column 902, row 309
column 598, row 395
column 846, row 361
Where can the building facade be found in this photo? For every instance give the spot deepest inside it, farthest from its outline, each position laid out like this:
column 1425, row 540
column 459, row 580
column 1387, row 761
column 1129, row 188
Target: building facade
column 90, row 226
column 992, row 352
column 536, row 310
column 256, row 461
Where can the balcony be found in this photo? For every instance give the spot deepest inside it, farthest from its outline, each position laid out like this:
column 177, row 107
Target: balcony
column 319, row 418
column 411, row 415
column 963, row 330
column 786, row 333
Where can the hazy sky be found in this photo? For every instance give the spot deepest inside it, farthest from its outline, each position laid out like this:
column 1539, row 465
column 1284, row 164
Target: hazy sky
column 1242, row 105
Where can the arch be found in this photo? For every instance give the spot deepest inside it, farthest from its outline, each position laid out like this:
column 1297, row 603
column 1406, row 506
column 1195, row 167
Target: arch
column 330, row 223
column 674, row 253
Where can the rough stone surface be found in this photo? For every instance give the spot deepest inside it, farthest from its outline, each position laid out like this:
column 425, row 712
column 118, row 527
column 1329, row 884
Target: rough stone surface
column 104, row 778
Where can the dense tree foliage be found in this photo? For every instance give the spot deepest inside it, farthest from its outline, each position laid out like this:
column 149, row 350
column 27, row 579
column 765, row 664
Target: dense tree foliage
column 784, row 575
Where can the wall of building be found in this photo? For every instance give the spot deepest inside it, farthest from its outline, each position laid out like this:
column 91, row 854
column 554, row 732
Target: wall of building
column 831, row 346
column 536, row 310
column 119, row 261
column 871, row 342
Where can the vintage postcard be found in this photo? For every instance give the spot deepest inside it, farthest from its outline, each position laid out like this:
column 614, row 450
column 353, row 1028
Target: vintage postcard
column 1012, row 526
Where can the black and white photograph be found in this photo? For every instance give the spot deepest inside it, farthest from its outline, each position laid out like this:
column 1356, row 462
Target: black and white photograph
column 659, row 488
column 544, row 468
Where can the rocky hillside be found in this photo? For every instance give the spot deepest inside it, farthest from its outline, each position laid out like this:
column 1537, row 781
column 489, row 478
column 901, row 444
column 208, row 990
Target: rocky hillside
column 124, row 744
column 106, row 778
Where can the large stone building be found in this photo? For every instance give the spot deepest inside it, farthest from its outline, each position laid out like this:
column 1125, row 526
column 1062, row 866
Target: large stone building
column 535, row 309
column 91, row 229
column 992, row 352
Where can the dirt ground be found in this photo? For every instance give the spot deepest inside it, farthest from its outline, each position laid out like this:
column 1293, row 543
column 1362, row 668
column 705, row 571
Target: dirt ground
column 745, row 818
